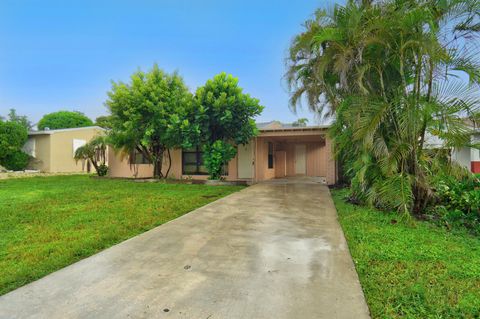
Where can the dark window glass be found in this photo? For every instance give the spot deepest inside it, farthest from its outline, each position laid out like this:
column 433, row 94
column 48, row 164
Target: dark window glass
column 138, row 158
column 192, row 162
column 270, row 155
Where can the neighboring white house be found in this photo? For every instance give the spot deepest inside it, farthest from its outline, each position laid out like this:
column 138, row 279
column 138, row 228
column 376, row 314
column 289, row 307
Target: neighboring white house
column 465, row 156
column 469, row 157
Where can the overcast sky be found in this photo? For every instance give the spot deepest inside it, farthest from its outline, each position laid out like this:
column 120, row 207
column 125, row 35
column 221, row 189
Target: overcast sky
column 63, row 54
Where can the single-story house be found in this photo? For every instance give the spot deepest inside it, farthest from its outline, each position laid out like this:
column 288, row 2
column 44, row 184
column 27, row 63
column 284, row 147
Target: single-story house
column 278, row 151
column 52, row 151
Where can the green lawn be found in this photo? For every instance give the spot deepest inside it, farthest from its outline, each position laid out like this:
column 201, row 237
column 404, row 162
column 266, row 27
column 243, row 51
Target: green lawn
column 47, row 223
column 411, row 270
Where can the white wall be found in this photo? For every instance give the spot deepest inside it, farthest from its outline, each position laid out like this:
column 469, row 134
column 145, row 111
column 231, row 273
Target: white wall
column 475, row 153
column 462, row 156
column 30, row 146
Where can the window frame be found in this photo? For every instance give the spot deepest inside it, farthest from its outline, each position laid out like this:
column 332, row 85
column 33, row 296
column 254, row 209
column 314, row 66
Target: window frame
column 198, row 161
column 133, row 159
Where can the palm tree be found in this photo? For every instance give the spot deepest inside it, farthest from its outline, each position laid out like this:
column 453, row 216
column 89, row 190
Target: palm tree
column 300, row 122
column 385, row 70
column 95, row 152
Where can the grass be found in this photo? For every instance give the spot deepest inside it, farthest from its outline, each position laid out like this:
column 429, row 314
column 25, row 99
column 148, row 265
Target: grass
column 47, row 223
column 411, row 270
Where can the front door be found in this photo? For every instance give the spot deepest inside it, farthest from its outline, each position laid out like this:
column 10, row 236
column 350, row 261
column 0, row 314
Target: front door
column 300, row 159
column 245, row 161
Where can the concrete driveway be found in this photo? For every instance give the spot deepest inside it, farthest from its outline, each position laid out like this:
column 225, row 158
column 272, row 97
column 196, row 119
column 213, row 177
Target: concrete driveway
column 273, row 250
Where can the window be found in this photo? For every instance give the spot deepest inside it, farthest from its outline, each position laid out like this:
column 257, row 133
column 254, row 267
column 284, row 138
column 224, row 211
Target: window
column 138, row 158
column 29, row 147
column 192, row 162
column 77, row 144
column 270, row 155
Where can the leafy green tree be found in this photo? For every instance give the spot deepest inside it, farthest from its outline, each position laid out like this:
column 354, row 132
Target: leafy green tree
column 13, row 136
column 386, row 71
column 22, row 119
column 225, row 118
column 149, row 115
column 300, row 122
column 95, row 152
column 103, row 121
column 64, row 119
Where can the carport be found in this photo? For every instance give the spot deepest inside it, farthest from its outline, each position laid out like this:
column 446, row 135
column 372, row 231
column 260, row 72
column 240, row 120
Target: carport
column 279, row 152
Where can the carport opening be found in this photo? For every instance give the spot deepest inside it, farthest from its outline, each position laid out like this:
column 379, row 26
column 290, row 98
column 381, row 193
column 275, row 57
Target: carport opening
column 297, row 156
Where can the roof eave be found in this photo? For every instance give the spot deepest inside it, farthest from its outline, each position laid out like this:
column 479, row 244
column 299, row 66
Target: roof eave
column 289, row 129
column 50, row 132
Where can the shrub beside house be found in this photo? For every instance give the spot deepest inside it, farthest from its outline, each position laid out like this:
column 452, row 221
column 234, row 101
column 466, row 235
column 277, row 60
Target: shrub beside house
column 12, row 136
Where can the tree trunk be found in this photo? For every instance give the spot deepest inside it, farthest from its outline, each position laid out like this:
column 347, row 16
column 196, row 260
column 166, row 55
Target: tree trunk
column 157, row 164
column 169, row 162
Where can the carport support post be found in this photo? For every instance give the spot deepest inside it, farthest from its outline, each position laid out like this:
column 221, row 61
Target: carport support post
column 255, row 160
column 331, row 165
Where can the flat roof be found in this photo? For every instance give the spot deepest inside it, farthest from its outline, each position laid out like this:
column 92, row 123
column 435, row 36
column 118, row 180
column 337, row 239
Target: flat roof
column 273, row 129
column 50, row 132
column 295, row 128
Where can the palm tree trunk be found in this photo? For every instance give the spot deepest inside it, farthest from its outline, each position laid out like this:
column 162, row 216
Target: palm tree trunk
column 95, row 164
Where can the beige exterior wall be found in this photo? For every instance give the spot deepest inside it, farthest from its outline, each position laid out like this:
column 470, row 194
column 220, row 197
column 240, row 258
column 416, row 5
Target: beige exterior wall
column 41, row 161
column 61, row 145
column 119, row 166
column 262, row 172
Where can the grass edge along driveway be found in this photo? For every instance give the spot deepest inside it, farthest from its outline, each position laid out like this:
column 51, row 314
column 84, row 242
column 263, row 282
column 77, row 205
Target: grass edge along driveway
column 47, row 223
column 407, row 270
